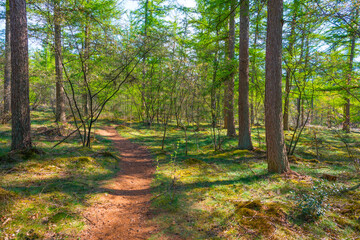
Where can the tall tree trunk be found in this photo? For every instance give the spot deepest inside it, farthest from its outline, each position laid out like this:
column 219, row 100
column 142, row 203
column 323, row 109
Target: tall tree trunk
column 20, row 109
column 288, row 75
column 298, row 107
column 276, row 149
column 229, row 87
column 244, row 123
column 7, row 70
column 86, row 69
column 329, row 118
column 253, row 67
column 144, row 60
column 346, row 123
column 60, row 98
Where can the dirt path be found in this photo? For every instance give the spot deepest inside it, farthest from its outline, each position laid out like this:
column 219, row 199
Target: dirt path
column 123, row 212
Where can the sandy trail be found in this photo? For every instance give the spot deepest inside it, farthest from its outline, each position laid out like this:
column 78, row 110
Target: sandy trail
column 123, row 212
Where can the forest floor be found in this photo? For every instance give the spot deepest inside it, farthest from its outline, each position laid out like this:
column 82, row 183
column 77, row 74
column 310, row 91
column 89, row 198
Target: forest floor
column 200, row 193
column 122, row 213
column 195, row 194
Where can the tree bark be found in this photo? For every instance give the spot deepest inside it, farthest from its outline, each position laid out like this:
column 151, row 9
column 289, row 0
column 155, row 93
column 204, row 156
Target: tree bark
column 60, row 98
column 21, row 136
column 229, row 85
column 346, row 123
column 244, row 120
column 7, row 70
column 276, row 149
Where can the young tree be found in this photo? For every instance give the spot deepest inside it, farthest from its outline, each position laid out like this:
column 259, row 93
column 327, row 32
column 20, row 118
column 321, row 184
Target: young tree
column 346, row 123
column 21, row 137
column 229, row 84
column 244, row 123
column 7, row 70
column 60, row 98
column 276, row 149
column 289, row 70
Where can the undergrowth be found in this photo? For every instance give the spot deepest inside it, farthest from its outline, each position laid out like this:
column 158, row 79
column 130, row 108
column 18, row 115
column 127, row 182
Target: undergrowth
column 229, row 195
column 43, row 196
column 204, row 194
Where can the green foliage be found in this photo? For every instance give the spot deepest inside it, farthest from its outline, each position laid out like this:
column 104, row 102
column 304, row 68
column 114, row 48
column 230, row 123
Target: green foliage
column 312, row 204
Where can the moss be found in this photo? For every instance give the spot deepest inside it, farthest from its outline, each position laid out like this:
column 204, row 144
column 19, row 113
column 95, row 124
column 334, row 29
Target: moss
column 298, row 160
column 333, row 163
column 121, row 127
column 293, row 159
column 260, row 217
column 193, row 161
column 312, row 160
column 275, row 211
column 329, row 177
column 31, row 153
column 6, row 201
column 6, row 196
column 227, row 154
column 355, row 195
column 255, row 205
column 341, row 221
column 352, row 210
column 106, row 154
column 357, row 227
column 245, row 212
column 252, row 219
column 30, row 235
column 83, row 160
column 259, row 150
column 61, row 216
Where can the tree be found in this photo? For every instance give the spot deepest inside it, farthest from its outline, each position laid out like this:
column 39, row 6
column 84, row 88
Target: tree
column 276, row 149
column 352, row 33
column 344, row 16
column 244, row 120
column 7, row 70
column 346, row 123
column 60, row 98
column 257, row 61
column 20, row 109
column 229, row 83
column 288, row 76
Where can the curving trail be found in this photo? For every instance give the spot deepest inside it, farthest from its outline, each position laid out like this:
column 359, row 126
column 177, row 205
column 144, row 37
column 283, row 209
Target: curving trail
column 123, row 212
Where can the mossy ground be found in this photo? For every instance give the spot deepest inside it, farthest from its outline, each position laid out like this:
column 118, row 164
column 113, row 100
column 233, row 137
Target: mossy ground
column 229, row 195
column 206, row 194
column 44, row 195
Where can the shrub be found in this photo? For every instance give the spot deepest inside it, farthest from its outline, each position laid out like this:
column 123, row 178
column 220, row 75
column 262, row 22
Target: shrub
column 312, row 204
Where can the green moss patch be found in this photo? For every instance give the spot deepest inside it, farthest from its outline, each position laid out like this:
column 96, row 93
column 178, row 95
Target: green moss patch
column 259, row 218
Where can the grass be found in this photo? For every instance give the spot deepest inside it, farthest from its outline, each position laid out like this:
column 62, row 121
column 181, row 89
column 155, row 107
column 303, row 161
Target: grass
column 47, row 193
column 228, row 194
column 205, row 194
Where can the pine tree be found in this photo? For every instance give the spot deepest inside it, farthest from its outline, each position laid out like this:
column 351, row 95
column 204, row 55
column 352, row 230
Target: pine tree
column 20, row 109
column 276, row 149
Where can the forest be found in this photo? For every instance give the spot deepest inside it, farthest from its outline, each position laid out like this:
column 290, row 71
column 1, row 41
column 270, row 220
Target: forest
column 179, row 119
